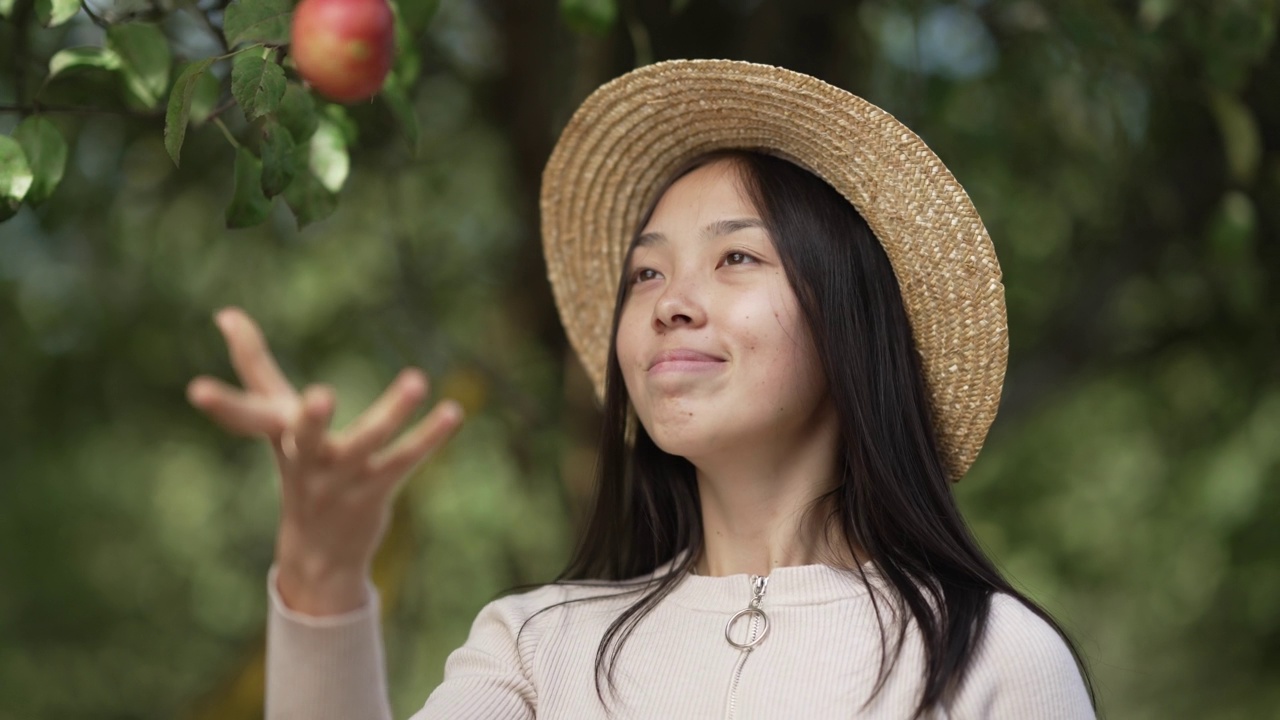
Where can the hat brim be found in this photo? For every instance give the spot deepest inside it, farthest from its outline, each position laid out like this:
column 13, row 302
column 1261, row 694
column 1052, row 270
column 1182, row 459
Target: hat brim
column 626, row 139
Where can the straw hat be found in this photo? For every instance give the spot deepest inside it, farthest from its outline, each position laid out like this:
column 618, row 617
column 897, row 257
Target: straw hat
column 629, row 136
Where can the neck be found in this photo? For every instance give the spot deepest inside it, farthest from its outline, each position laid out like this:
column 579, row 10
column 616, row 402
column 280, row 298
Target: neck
column 758, row 510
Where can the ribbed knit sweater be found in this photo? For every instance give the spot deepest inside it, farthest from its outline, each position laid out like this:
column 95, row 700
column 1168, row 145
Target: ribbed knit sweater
column 819, row 659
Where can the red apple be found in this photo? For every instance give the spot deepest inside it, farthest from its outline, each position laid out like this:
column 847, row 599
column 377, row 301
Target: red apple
column 343, row 48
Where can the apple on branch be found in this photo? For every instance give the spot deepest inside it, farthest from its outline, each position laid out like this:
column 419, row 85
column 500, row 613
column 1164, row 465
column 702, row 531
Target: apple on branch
column 343, row 48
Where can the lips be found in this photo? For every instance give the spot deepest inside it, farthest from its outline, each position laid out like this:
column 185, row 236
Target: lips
column 683, row 359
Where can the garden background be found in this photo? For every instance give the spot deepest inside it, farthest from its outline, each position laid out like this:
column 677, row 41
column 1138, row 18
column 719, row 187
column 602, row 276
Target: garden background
column 1125, row 156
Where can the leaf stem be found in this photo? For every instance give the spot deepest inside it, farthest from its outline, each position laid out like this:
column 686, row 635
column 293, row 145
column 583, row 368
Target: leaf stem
column 226, row 133
column 214, row 113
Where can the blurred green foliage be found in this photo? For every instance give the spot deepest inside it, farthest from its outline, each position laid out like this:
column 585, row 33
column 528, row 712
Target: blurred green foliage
column 1126, row 158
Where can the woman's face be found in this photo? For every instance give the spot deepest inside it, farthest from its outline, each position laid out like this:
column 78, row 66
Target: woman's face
column 713, row 349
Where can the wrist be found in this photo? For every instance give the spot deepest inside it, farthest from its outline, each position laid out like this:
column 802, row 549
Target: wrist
column 313, row 588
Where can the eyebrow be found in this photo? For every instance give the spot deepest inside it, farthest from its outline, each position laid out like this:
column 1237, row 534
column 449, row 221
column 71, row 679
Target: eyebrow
column 715, row 229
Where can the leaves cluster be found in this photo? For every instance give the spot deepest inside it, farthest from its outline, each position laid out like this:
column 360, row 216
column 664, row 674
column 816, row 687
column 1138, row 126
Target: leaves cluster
column 293, row 145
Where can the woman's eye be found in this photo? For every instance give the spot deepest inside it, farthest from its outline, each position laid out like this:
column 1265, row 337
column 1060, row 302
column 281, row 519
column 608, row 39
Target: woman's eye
column 738, row 258
column 643, row 274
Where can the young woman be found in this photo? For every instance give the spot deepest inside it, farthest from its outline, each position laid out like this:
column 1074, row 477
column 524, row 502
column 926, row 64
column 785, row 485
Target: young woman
column 806, row 348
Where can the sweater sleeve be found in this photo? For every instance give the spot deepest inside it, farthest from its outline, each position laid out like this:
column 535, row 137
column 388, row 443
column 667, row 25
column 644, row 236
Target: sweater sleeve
column 333, row 668
column 1023, row 669
column 324, row 667
column 489, row 677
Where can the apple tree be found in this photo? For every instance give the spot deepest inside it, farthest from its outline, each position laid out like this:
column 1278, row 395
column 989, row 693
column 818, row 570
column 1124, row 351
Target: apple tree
column 412, row 267
column 271, row 78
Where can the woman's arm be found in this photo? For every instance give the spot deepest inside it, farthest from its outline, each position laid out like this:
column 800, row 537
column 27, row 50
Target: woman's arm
column 324, row 653
column 1023, row 669
column 489, row 677
column 331, row 668
column 321, row 667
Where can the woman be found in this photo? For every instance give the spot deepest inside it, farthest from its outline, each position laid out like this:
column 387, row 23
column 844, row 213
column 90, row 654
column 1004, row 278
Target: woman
column 806, row 347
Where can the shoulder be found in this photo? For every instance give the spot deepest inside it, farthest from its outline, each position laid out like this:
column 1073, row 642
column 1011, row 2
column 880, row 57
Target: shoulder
column 1015, row 632
column 1022, row 665
column 496, row 672
column 534, row 610
column 521, row 606
column 508, row 631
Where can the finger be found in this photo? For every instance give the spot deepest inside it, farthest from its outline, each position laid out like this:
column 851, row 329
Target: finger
column 393, row 464
column 380, row 422
column 311, row 428
column 250, row 356
column 235, row 410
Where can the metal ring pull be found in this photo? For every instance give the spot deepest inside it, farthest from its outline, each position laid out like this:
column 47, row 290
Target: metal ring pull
column 747, row 611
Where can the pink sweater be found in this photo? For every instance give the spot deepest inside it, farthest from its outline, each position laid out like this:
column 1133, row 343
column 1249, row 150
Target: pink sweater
column 819, row 659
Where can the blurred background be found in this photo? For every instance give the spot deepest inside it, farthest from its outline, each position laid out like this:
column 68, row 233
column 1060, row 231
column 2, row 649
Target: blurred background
column 1125, row 157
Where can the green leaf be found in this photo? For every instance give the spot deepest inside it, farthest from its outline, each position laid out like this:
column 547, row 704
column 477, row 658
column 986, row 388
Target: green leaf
column 205, row 96
column 309, row 199
column 279, row 159
column 1241, row 137
column 328, row 159
column 179, row 110
column 82, row 57
column 408, row 63
column 264, row 21
column 338, row 115
column 56, row 12
column 415, row 13
column 6, row 8
column 144, row 59
column 297, row 112
column 46, row 154
column 257, row 84
column 15, row 177
column 1233, row 231
column 248, row 205
column 590, row 16
column 401, row 105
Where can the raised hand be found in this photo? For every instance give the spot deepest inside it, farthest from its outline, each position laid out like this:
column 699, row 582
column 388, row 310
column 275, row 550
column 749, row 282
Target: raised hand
column 336, row 487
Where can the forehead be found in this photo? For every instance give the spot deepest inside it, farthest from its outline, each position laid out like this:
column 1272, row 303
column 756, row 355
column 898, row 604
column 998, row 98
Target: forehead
column 709, row 191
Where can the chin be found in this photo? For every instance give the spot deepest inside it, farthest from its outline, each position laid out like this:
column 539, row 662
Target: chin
column 689, row 437
column 672, row 432
column 674, row 444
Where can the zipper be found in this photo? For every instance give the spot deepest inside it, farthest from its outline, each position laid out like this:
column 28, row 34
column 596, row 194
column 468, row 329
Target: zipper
column 756, row 633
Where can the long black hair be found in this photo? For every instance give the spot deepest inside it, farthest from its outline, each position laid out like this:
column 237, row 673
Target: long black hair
column 893, row 502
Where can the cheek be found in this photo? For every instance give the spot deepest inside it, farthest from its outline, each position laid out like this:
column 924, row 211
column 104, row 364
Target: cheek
column 626, row 340
column 789, row 361
column 629, row 347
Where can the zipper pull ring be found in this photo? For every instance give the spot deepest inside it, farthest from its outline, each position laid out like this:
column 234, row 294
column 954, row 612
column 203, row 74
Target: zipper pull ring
column 758, row 585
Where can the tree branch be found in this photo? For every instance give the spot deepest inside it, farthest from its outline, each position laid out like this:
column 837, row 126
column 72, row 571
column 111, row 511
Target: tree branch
column 77, row 110
column 643, row 48
column 20, row 16
column 97, row 19
column 151, row 13
column 194, row 7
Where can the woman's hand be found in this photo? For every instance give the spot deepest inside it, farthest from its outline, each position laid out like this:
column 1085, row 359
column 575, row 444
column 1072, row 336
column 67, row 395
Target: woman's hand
column 336, row 487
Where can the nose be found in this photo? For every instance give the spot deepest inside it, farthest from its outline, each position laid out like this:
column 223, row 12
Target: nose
column 679, row 305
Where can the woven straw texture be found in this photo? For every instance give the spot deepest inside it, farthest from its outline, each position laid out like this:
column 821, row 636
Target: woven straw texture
column 632, row 133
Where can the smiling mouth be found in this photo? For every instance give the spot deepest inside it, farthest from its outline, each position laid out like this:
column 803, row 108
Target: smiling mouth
column 684, row 361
